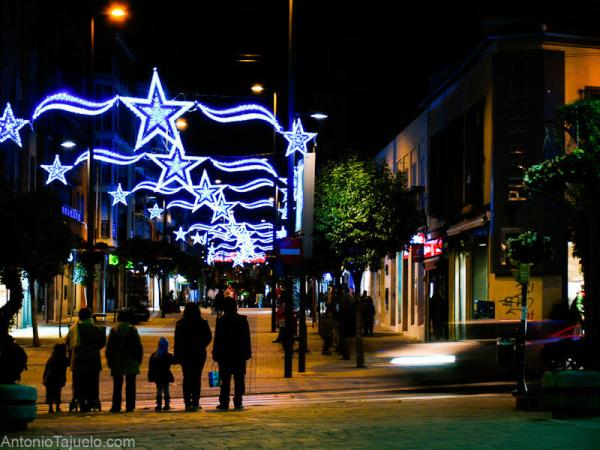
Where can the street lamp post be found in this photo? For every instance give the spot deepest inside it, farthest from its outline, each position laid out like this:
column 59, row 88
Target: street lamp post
column 116, row 13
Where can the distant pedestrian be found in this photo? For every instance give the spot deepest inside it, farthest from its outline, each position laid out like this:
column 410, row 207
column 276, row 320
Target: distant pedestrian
column 124, row 354
column 84, row 342
column 368, row 313
column 326, row 328
column 280, row 317
column 159, row 373
column 231, row 350
column 55, row 376
column 219, row 299
column 192, row 336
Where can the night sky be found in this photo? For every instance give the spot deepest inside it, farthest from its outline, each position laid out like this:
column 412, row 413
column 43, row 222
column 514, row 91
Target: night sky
column 366, row 64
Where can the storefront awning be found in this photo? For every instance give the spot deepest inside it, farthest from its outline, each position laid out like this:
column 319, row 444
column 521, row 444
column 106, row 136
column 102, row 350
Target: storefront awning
column 466, row 225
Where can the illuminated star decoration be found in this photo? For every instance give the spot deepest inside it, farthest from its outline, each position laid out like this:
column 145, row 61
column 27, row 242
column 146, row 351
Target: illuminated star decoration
column 155, row 212
column 206, row 193
column 158, row 114
column 197, row 239
column 281, row 234
column 222, row 209
column 10, row 126
column 56, row 171
column 119, row 196
column 176, row 167
column 180, row 234
column 297, row 139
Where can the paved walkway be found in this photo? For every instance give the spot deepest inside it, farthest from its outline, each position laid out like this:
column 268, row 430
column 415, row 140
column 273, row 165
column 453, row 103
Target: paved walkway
column 265, row 369
column 331, row 405
column 431, row 422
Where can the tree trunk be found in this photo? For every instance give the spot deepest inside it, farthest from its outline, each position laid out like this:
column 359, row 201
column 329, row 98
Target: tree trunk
column 12, row 280
column 33, row 300
column 591, row 274
column 360, row 350
column 161, row 297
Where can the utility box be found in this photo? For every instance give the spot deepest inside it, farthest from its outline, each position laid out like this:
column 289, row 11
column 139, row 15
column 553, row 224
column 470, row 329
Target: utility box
column 505, row 351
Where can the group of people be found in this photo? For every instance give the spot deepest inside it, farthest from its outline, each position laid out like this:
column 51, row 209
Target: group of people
column 124, row 355
column 339, row 321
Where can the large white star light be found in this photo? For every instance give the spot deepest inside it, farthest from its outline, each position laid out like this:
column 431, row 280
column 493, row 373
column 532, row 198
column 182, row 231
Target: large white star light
column 56, row 171
column 180, row 234
column 222, row 209
column 206, row 193
column 10, row 126
column 119, row 196
column 176, row 166
column 297, row 139
column 158, row 114
column 197, row 239
column 155, row 212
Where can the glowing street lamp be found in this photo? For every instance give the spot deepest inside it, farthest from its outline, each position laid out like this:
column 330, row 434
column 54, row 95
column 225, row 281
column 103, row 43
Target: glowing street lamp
column 181, row 124
column 257, row 88
column 117, row 12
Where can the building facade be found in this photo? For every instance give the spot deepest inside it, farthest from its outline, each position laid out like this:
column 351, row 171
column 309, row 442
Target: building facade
column 467, row 150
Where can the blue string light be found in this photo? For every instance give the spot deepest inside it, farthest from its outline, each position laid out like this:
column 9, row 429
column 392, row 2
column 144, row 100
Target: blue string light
column 158, row 115
column 56, row 171
column 155, row 212
column 206, row 193
column 240, row 113
column 176, row 166
column 66, row 102
column 297, row 139
column 10, row 126
column 180, row 234
column 119, row 196
column 222, row 209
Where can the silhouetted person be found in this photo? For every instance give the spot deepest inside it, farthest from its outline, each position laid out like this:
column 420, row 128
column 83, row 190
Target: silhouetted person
column 13, row 360
column 124, row 354
column 159, row 373
column 368, row 313
column 192, row 336
column 219, row 299
column 84, row 342
column 231, row 350
column 55, row 376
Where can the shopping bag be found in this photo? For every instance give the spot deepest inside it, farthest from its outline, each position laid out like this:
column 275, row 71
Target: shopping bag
column 213, row 378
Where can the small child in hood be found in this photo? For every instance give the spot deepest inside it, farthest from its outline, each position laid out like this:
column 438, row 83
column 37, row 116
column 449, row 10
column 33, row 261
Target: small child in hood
column 55, row 376
column 159, row 372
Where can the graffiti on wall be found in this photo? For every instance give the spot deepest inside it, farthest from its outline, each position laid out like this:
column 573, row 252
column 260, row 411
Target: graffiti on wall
column 512, row 303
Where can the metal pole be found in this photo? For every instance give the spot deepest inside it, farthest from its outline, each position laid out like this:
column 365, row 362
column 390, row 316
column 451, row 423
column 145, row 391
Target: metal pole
column 273, row 259
column 521, row 338
column 288, row 337
column 91, row 206
column 302, row 322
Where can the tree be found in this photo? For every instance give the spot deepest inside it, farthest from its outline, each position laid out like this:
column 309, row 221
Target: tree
column 36, row 240
column 577, row 175
column 363, row 212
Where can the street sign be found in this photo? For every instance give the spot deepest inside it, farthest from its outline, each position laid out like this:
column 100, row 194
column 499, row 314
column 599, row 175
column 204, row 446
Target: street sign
column 290, row 251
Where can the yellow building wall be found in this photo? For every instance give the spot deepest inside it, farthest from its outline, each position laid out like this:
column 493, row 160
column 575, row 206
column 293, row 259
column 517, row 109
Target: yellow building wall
column 582, row 68
column 543, row 293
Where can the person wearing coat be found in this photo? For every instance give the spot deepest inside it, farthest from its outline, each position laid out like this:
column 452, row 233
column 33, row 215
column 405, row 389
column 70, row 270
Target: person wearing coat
column 84, row 341
column 192, row 336
column 124, row 354
column 55, row 376
column 159, row 373
column 231, row 350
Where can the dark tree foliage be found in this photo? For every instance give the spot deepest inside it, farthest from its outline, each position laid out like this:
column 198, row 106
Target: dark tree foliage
column 35, row 240
column 363, row 212
column 577, row 174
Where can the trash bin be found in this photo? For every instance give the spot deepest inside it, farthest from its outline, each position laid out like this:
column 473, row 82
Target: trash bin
column 505, row 351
